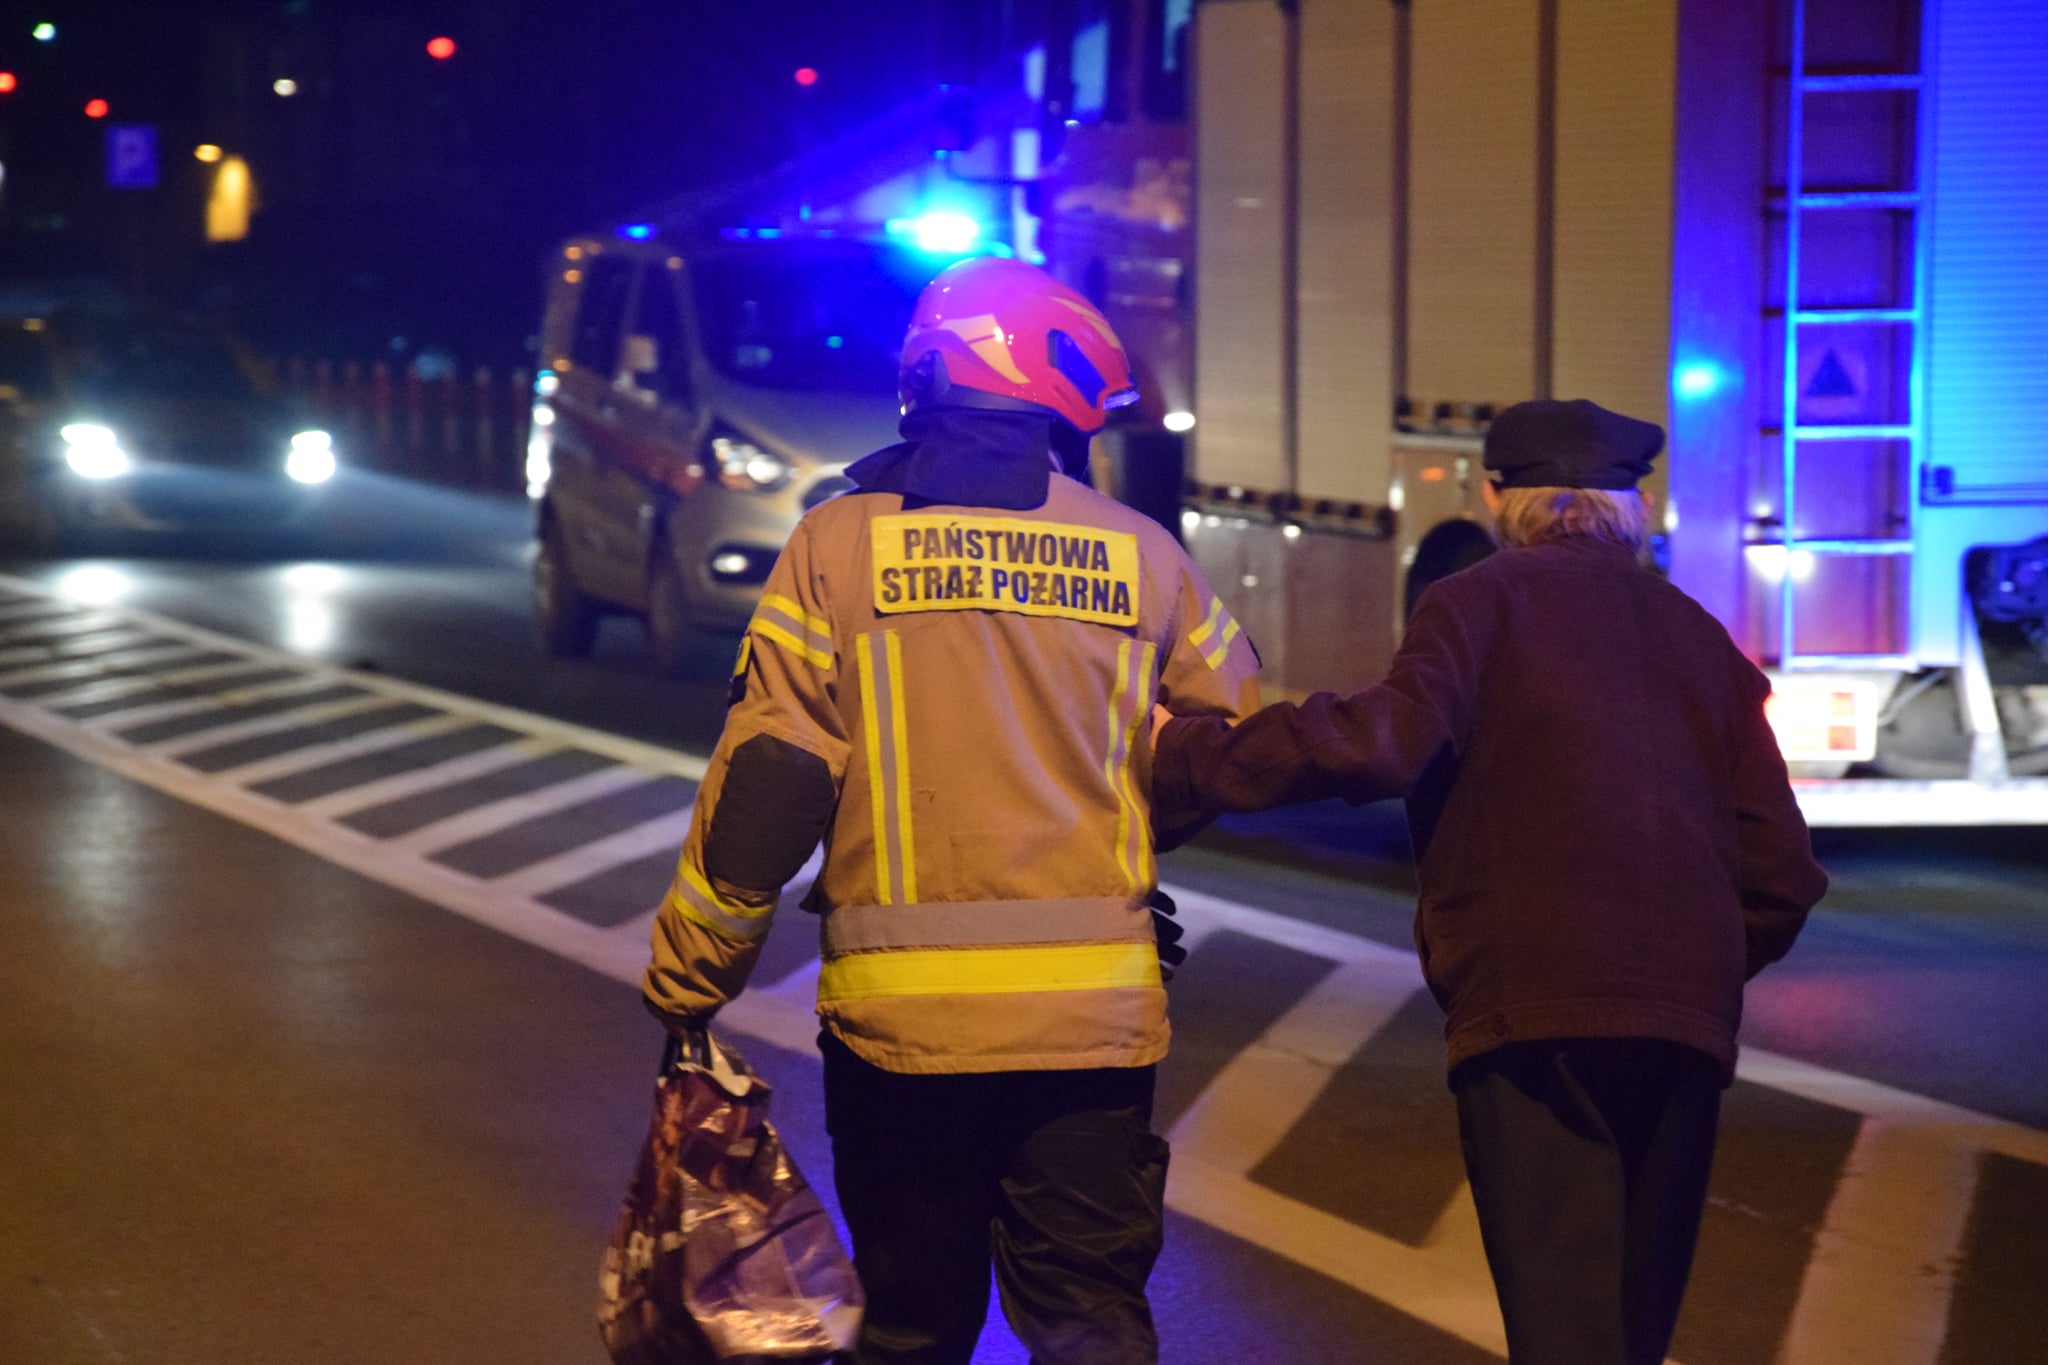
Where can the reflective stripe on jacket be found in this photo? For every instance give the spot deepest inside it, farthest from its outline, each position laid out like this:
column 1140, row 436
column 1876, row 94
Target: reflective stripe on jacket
column 980, row 685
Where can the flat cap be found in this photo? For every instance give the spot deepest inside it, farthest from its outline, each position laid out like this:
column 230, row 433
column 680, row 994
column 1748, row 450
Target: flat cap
column 1570, row 443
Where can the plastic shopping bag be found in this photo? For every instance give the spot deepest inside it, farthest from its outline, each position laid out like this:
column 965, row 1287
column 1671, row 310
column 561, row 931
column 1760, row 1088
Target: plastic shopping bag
column 722, row 1252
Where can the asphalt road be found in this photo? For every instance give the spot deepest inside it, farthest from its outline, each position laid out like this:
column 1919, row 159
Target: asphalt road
column 313, row 1053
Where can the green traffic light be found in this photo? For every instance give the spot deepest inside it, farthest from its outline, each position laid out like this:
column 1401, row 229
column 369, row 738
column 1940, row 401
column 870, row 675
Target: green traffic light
column 43, row 32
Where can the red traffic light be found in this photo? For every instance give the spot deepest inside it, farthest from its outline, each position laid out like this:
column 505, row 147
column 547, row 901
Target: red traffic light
column 95, row 108
column 440, row 49
column 807, row 75
column 7, row 82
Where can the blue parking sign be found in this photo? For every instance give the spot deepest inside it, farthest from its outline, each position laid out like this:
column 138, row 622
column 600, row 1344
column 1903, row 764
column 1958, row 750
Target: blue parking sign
column 131, row 156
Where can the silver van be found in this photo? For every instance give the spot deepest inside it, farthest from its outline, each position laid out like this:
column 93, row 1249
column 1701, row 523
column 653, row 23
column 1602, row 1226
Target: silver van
column 693, row 402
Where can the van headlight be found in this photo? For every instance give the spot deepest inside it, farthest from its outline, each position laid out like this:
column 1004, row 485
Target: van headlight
column 743, row 465
column 93, row 451
column 311, row 458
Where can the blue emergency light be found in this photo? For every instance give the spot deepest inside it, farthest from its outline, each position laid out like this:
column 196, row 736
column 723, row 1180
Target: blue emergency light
column 938, row 231
column 1697, row 379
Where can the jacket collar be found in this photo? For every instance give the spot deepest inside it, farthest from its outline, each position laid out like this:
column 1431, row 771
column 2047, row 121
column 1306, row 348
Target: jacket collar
column 964, row 457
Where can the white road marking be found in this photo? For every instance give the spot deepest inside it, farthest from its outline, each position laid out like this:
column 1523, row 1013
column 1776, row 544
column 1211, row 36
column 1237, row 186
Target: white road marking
column 1256, row 1100
column 203, row 702
column 1958, row 1126
column 70, row 647
column 1878, row 1284
column 257, row 727
column 259, row 771
column 443, row 774
column 57, row 627
column 664, row 833
column 13, row 614
column 1252, row 1104
column 86, row 668
column 514, row 810
column 113, row 689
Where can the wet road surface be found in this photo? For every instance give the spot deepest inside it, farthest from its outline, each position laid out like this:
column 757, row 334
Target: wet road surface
column 268, row 1095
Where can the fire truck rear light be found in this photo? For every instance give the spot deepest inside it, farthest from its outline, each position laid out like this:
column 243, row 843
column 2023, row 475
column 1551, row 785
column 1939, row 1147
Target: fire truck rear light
column 1831, row 722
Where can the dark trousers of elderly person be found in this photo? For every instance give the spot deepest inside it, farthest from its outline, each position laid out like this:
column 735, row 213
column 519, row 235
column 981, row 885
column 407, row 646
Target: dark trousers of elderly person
column 1054, row 1178
column 1589, row 1161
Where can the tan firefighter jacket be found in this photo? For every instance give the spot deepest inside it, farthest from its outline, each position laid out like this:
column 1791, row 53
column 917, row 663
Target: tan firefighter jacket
column 979, row 683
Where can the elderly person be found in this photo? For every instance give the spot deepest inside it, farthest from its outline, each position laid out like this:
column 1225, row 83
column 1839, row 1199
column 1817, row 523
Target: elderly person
column 1609, row 848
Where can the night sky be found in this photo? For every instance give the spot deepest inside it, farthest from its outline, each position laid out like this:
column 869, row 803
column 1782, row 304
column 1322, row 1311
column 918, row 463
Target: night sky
column 401, row 194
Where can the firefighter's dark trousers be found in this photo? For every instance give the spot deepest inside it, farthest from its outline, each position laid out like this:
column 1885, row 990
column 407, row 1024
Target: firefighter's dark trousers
column 1589, row 1160
column 1053, row 1177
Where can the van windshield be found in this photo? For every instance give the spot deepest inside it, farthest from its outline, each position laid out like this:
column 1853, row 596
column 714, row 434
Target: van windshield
column 124, row 361
column 785, row 318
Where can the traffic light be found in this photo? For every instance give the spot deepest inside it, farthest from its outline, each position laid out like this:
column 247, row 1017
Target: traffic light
column 807, row 76
column 95, row 108
column 441, row 49
column 7, row 82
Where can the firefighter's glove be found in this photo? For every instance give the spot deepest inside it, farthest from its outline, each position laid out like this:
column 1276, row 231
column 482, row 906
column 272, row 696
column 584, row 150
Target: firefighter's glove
column 1166, row 932
column 689, row 1035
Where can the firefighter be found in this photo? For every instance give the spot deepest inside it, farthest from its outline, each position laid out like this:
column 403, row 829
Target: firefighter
column 948, row 681
column 1609, row 848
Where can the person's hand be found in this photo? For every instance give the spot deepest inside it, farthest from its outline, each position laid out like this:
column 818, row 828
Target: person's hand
column 1160, row 715
column 689, row 1037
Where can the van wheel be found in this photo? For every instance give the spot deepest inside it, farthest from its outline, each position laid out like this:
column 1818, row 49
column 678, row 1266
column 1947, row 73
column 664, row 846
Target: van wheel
column 681, row 648
column 564, row 616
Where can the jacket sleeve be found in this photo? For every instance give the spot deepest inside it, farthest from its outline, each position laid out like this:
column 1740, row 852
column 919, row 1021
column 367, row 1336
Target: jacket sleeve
column 1778, row 881
column 1210, row 669
column 767, row 797
column 1368, row 746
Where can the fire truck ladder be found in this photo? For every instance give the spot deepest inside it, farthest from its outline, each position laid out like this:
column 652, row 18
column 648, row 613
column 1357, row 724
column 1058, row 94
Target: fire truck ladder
column 1802, row 322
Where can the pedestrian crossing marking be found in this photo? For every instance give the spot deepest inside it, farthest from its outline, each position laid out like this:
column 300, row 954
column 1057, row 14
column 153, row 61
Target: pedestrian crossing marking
column 76, row 645
column 216, row 735
column 85, row 668
column 517, row 810
column 1881, row 1272
column 537, row 880
column 258, row 688
column 263, row 770
column 348, row 801
column 114, row 689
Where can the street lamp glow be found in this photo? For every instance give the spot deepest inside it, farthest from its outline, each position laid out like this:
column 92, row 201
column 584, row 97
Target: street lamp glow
column 207, row 152
column 229, row 204
column 285, row 86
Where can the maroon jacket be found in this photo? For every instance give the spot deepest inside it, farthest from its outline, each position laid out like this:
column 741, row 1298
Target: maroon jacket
column 1608, row 842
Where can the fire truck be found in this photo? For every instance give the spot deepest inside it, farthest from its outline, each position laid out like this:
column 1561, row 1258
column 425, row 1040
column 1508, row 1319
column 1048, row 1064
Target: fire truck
column 1808, row 237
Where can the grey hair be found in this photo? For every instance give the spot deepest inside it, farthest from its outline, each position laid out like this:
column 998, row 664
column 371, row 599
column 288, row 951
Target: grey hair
column 1528, row 516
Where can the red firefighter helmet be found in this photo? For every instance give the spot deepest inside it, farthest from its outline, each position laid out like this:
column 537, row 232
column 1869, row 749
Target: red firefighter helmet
column 993, row 332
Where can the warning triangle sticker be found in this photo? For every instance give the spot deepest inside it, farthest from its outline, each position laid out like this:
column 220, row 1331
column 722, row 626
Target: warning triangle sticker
column 1831, row 378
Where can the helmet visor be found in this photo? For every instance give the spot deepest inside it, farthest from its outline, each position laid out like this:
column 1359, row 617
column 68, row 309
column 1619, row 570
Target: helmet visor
column 1074, row 365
